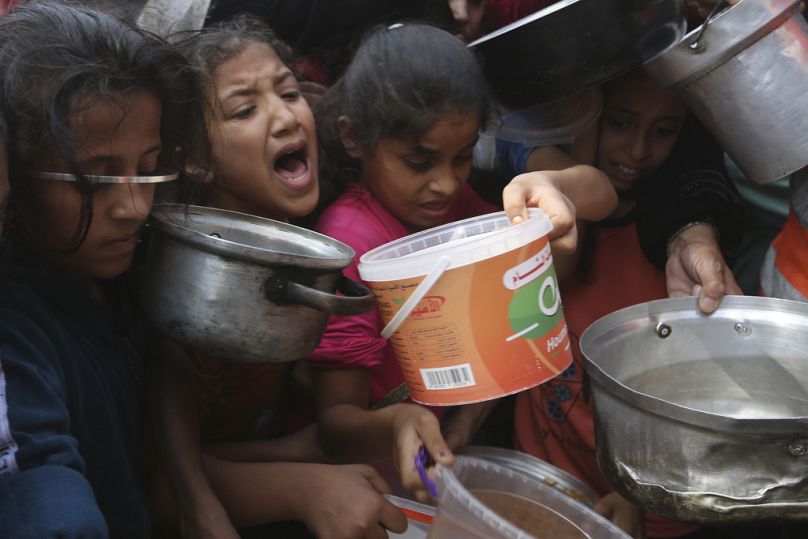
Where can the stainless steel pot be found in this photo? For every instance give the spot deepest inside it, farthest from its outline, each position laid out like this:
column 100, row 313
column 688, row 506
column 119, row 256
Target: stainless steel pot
column 575, row 44
column 244, row 288
column 704, row 418
column 745, row 75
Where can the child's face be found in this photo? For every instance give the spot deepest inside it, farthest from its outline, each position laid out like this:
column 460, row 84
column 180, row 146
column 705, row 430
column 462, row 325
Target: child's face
column 264, row 141
column 638, row 129
column 112, row 139
column 418, row 179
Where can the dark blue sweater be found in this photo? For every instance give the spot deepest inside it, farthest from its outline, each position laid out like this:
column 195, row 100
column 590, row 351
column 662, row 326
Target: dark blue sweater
column 69, row 411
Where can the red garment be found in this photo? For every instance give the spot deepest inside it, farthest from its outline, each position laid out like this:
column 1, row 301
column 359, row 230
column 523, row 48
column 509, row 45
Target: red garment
column 554, row 420
column 791, row 259
column 360, row 221
column 244, row 401
column 499, row 13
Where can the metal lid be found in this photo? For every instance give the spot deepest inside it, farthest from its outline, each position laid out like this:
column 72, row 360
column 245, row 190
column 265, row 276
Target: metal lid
column 719, row 39
column 249, row 238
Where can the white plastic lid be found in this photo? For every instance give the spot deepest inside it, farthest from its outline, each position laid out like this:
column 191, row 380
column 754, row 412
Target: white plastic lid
column 464, row 242
column 556, row 122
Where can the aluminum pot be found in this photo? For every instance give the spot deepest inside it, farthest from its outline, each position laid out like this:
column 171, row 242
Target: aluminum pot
column 575, row 44
column 745, row 75
column 240, row 287
column 704, row 418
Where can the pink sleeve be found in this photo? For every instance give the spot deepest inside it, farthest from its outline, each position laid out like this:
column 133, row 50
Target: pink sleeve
column 351, row 341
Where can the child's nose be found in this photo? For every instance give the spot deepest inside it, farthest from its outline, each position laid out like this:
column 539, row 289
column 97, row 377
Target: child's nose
column 132, row 200
column 638, row 148
column 284, row 120
column 444, row 182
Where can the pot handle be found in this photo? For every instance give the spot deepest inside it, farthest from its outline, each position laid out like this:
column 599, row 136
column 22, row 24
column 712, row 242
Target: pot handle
column 695, row 44
column 356, row 298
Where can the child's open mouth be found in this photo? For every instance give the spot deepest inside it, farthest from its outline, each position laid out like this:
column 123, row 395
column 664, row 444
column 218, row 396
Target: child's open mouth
column 293, row 168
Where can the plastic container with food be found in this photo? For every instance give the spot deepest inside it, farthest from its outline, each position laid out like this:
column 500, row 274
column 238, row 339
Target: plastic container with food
column 478, row 499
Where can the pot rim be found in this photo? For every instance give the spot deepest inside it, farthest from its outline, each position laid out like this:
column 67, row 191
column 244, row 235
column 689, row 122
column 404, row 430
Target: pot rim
column 649, row 313
column 163, row 217
column 732, row 30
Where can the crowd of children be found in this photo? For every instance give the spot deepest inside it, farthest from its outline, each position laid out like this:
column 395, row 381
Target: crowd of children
column 108, row 430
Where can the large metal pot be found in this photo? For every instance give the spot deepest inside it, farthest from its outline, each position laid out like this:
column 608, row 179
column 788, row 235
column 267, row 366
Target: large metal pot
column 704, row 418
column 244, row 288
column 575, row 44
column 745, row 75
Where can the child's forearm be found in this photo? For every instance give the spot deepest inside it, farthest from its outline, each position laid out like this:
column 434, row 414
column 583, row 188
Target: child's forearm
column 588, row 188
column 176, row 419
column 302, row 446
column 350, row 433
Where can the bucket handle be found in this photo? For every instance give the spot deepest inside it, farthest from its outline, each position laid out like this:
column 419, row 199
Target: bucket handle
column 695, row 44
column 416, row 296
column 402, row 392
column 356, row 298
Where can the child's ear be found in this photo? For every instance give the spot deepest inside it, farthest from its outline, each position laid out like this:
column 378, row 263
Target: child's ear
column 195, row 172
column 348, row 138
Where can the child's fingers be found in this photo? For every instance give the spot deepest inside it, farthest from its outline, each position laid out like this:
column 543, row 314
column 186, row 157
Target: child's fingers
column 375, row 480
column 392, row 518
column 435, row 445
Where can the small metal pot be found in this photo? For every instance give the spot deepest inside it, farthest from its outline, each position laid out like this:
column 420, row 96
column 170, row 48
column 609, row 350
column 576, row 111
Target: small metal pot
column 575, row 44
column 244, row 288
column 704, row 418
column 745, row 75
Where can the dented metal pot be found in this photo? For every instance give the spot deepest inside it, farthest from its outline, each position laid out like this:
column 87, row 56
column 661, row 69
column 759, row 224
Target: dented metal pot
column 244, row 288
column 704, row 418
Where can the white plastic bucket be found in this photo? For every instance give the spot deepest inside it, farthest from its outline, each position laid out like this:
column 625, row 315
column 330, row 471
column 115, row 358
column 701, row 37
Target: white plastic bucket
column 478, row 499
column 472, row 308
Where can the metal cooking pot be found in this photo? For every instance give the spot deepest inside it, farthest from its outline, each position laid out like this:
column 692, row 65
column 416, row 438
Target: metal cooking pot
column 575, row 44
column 745, row 75
column 704, row 418
column 244, row 288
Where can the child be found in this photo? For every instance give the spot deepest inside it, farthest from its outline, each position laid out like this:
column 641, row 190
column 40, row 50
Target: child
column 95, row 109
column 640, row 125
column 399, row 129
column 223, row 416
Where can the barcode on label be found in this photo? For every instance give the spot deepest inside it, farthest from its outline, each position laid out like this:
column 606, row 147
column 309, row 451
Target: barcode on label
column 448, row 377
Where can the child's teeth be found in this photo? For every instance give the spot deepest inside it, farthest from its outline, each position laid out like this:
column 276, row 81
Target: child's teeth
column 626, row 170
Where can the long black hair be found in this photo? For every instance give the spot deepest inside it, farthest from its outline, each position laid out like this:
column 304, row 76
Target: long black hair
column 58, row 58
column 401, row 81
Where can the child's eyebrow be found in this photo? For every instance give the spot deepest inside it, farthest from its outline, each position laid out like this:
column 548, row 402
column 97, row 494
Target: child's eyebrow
column 252, row 88
column 421, row 150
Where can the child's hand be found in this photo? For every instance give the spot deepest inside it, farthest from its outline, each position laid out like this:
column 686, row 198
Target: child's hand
column 207, row 519
column 346, row 502
column 622, row 513
column 415, row 426
column 537, row 189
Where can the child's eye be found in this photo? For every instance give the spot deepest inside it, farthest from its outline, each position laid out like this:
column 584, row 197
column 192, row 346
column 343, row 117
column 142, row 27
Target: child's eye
column 617, row 124
column 243, row 112
column 418, row 166
column 465, row 158
column 666, row 132
column 291, row 95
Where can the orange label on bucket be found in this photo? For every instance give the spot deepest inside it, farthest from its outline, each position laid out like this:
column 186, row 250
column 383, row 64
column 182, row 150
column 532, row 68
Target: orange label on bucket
column 483, row 330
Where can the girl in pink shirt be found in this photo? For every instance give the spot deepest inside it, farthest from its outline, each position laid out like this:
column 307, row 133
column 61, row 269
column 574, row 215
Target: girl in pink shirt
column 398, row 130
